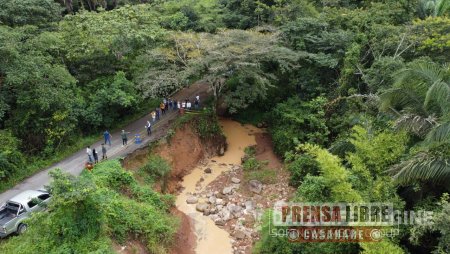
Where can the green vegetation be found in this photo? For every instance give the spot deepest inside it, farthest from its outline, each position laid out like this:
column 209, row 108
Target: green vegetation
column 157, row 167
column 354, row 93
column 255, row 169
column 89, row 212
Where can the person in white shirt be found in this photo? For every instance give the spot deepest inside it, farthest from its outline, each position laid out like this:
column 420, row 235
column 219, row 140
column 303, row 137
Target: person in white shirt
column 89, row 153
column 189, row 105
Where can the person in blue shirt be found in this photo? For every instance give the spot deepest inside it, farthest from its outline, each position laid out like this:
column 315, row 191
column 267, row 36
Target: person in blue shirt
column 107, row 137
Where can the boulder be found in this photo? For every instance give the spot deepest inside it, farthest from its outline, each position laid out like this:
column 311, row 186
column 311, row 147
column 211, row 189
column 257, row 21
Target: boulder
column 192, row 200
column 227, row 190
column 201, row 207
column 219, row 201
column 235, row 180
column 225, row 214
column 255, row 186
column 212, row 200
column 249, row 205
column 234, row 209
column 219, row 222
column 239, row 235
column 208, row 170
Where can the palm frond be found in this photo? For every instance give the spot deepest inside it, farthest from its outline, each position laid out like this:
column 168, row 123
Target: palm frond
column 422, row 167
column 441, row 7
column 416, row 124
column 440, row 93
column 439, row 134
column 421, row 70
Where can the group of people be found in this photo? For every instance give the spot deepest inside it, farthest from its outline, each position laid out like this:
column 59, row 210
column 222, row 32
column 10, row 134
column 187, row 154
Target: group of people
column 170, row 104
column 166, row 105
column 93, row 153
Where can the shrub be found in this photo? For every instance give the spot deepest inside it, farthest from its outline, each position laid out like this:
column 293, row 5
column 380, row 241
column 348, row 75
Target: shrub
column 89, row 212
column 297, row 121
column 159, row 168
column 266, row 176
column 300, row 167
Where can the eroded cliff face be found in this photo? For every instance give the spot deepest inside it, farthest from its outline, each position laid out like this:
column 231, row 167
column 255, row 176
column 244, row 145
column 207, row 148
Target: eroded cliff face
column 184, row 151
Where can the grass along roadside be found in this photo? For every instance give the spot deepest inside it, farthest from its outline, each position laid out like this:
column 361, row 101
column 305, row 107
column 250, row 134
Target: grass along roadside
column 35, row 164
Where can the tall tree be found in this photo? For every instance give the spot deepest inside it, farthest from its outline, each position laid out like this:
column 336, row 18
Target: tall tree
column 214, row 58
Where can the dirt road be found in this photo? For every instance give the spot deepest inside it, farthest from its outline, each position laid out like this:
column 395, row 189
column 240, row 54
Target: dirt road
column 75, row 163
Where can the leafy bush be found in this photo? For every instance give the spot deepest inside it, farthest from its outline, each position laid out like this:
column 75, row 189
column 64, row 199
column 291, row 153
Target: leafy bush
column 300, row 167
column 296, row 121
column 89, row 212
column 11, row 159
column 252, row 164
column 159, row 168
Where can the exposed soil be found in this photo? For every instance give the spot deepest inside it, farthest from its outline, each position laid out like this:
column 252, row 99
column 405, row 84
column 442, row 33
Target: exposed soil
column 264, row 151
column 184, row 152
column 185, row 240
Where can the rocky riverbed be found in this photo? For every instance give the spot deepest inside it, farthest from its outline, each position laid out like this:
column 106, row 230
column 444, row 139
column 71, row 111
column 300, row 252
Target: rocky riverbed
column 221, row 200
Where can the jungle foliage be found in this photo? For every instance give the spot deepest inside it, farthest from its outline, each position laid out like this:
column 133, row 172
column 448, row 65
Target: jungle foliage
column 355, row 94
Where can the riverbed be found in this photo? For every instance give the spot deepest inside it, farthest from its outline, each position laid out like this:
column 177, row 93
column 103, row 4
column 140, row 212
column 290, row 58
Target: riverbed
column 211, row 238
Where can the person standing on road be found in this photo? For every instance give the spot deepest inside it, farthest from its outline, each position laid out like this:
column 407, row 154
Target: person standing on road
column 124, row 138
column 166, row 105
column 196, row 104
column 89, row 153
column 170, row 103
column 153, row 116
column 189, row 105
column 95, row 154
column 149, row 128
column 179, row 104
column 163, row 108
column 157, row 114
column 104, row 156
column 107, row 137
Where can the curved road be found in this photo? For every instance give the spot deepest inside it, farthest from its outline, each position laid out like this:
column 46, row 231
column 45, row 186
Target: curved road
column 75, row 163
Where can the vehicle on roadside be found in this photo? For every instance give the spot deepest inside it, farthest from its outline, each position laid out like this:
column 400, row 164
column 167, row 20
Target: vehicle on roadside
column 17, row 209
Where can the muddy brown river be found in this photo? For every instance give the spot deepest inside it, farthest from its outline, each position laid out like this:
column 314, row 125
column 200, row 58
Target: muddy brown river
column 211, row 238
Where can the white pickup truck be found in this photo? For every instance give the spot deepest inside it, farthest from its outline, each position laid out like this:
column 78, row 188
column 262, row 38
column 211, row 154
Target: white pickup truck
column 17, row 209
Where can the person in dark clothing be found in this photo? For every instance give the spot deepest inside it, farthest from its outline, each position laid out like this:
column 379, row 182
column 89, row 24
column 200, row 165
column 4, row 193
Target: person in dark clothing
column 95, row 153
column 124, row 138
column 196, row 104
column 149, row 128
column 175, row 105
column 157, row 114
column 104, row 156
column 170, row 103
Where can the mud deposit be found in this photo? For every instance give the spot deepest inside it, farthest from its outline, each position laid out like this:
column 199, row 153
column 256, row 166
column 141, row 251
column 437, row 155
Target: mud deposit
column 211, row 238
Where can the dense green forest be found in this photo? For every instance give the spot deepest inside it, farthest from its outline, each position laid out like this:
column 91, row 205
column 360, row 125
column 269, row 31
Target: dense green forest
column 356, row 96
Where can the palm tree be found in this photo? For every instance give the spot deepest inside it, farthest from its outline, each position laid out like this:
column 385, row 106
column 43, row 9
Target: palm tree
column 434, row 8
column 420, row 98
column 430, row 160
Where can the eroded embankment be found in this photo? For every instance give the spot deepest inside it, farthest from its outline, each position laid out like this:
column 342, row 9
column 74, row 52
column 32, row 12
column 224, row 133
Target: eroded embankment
column 219, row 205
column 184, row 151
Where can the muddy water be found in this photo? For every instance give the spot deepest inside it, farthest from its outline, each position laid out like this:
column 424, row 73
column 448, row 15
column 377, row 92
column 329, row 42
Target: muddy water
column 210, row 238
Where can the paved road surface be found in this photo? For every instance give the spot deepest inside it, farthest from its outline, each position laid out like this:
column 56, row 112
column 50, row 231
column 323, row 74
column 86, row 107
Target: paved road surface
column 75, row 163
